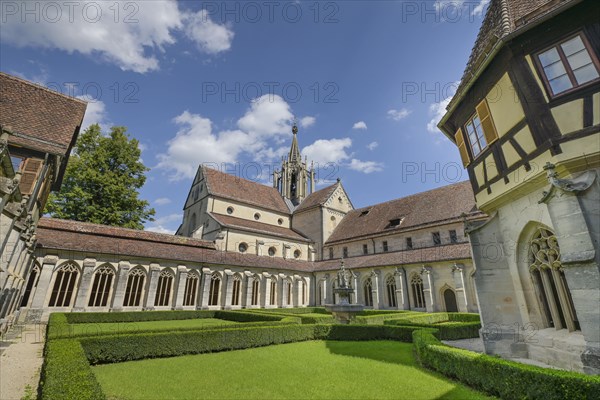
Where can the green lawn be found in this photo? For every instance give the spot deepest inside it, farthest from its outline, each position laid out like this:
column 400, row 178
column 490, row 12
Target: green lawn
column 122, row 327
column 306, row 370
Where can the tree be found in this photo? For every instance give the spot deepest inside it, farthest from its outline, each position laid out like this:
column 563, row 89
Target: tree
column 102, row 180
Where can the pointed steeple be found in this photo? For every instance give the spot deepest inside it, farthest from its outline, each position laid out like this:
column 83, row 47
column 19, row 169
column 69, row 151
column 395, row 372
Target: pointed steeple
column 295, row 150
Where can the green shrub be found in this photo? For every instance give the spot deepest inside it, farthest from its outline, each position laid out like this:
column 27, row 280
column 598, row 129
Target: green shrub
column 66, row 373
column 110, row 349
column 502, row 378
column 378, row 317
column 135, row 316
column 244, row 316
column 370, row 332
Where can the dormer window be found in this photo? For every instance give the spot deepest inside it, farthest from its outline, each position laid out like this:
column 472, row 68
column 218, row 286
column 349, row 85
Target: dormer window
column 568, row 65
column 362, row 214
column 394, row 223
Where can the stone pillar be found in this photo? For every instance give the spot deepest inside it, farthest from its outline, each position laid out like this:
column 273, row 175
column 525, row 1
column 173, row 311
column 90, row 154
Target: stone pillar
column 298, row 289
column 120, row 286
column 87, row 273
column 401, row 291
column 459, row 284
column 181, row 281
column 39, row 300
column 428, row 289
column 574, row 216
column 281, row 282
column 152, row 284
column 206, row 278
column 228, row 276
column 248, row 296
column 378, row 295
column 357, row 295
column 267, row 290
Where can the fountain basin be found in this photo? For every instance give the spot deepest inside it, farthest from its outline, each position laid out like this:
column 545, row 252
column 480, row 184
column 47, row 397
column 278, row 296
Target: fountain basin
column 344, row 313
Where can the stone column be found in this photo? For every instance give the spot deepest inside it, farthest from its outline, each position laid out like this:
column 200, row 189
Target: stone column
column 120, row 286
column 378, row 295
column 428, row 289
column 49, row 263
column 298, row 289
column 248, row 297
column 281, row 282
column 181, row 281
column 267, row 290
column 228, row 287
column 152, row 284
column 401, row 291
column 459, row 284
column 357, row 296
column 87, row 273
column 206, row 278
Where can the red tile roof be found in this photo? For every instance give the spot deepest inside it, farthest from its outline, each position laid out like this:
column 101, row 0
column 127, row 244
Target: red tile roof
column 442, row 205
column 317, row 198
column 258, row 227
column 461, row 251
column 243, row 190
column 39, row 118
column 82, row 237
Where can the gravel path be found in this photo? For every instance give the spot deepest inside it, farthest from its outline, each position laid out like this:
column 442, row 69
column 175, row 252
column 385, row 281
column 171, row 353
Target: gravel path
column 20, row 361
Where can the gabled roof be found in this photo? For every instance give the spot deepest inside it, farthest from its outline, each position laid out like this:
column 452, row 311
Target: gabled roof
column 442, row 205
column 243, row 190
column 258, row 227
column 91, row 238
column 38, row 118
column 504, row 19
column 425, row 255
column 317, row 198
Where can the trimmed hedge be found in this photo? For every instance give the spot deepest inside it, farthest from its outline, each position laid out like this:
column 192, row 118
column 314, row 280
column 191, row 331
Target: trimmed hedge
column 66, row 373
column 134, row 316
column 502, row 378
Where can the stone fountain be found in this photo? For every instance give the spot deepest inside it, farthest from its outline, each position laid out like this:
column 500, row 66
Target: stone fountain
column 343, row 311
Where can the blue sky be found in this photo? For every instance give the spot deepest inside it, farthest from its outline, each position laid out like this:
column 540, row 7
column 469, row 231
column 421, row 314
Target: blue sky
column 220, row 82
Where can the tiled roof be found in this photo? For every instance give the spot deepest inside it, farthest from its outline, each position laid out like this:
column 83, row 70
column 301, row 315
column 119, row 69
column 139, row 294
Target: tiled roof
column 426, row 255
column 504, row 17
column 38, row 118
column 91, row 238
column 442, row 205
column 317, row 198
column 258, row 227
column 243, row 190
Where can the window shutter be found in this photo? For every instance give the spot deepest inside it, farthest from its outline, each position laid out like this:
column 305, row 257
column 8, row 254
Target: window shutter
column 462, row 149
column 31, row 170
column 487, row 124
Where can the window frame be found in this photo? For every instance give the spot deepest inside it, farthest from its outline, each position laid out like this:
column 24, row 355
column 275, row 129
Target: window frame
column 345, row 252
column 439, row 237
column 385, row 246
column 365, row 249
column 481, row 149
column 563, row 59
column 453, row 236
column 409, row 243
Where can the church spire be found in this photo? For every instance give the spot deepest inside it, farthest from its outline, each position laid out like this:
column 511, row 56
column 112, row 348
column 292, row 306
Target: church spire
column 295, row 150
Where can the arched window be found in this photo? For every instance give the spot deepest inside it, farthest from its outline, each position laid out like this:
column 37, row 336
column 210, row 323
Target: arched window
column 31, row 284
column 255, row 291
column 368, row 292
column 64, row 285
column 450, row 300
column 193, row 223
column 191, row 288
column 550, row 283
column 273, row 299
column 236, row 289
column 103, row 279
column 215, row 284
column 390, row 285
column 289, row 292
column 416, row 283
column 163, row 289
column 135, row 287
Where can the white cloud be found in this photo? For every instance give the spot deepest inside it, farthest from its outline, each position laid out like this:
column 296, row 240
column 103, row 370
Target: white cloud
column 305, row 122
column 161, row 225
column 95, row 113
column 359, row 125
column 398, row 115
column 366, row 167
column 268, row 115
column 160, row 229
column 372, row 146
column 140, row 34
column 437, row 110
column 324, row 151
column 161, row 201
column 209, row 36
column 480, row 8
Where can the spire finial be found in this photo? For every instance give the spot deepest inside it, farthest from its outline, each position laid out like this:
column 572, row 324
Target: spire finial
column 295, row 126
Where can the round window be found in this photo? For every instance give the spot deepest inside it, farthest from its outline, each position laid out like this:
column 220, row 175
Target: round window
column 272, row 251
column 280, row 221
column 332, row 218
column 229, row 210
column 257, row 216
column 243, row 247
column 297, row 253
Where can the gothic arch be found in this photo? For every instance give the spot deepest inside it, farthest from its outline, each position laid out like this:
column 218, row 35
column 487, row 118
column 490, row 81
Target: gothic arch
column 135, row 288
column 190, row 291
column 65, row 283
column 103, row 281
column 215, row 288
column 32, row 282
column 164, row 288
column 416, row 290
column 448, row 296
column 391, row 296
column 236, row 289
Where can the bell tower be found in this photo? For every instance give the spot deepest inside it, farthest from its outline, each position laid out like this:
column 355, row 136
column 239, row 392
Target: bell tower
column 295, row 181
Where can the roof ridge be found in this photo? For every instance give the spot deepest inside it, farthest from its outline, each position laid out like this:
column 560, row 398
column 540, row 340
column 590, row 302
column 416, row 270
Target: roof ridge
column 42, row 87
